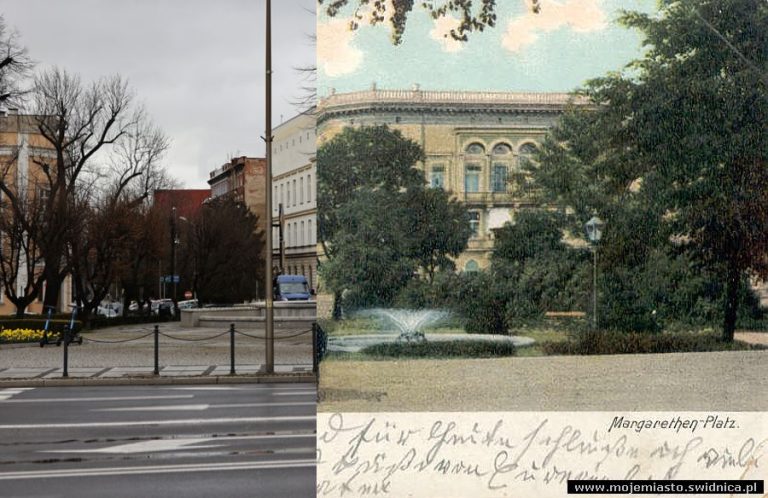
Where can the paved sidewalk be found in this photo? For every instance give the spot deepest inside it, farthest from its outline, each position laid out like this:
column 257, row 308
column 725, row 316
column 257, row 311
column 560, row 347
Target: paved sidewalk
column 127, row 352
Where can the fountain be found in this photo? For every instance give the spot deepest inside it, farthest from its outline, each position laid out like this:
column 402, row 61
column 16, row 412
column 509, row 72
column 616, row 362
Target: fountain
column 404, row 325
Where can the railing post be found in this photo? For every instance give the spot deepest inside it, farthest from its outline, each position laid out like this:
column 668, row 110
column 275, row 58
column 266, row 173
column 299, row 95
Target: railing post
column 157, row 350
column 66, row 352
column 314, row 348
column 231, row 349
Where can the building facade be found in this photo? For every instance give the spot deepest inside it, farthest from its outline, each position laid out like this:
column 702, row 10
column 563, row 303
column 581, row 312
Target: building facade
column 22, row 150
column 294, row 191
column 475, row 144
column 244, row 178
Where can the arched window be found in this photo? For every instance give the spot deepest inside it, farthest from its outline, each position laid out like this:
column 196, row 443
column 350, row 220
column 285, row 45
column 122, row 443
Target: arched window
column 502, row 154
column 475, row 148
column 527, row 149
column 471, row 266
column 502, row 149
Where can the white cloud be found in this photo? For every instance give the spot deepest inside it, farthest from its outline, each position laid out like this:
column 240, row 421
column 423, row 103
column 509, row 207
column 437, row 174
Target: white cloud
column 335, row 54
column 442, row 33
column 581, row 16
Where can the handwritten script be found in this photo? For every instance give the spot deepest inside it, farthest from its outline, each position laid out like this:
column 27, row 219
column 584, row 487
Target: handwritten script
column 530, row 453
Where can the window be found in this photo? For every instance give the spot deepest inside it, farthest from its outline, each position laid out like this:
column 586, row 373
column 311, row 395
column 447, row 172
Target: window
column 294, row 192
column 282, row 193
column 288, row 195
column 295, row 235
column 301, row 235
column 475, row 148
column 309, row 188
column 499, row 178
column 527, row 149
column 301, row 190
column 437, row 176
column 472, row 178
column 310, row 235
column 474, row 223
column 471, row 266
column 274, row 201
column 502, row 150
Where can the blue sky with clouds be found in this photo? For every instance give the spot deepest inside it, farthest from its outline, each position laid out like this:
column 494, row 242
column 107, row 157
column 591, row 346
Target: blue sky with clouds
column 567, row 43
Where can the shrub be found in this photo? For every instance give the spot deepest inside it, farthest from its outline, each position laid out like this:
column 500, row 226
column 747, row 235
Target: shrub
column 613, row 342
column 21, row 335
column 441, row 349
column 55, row 325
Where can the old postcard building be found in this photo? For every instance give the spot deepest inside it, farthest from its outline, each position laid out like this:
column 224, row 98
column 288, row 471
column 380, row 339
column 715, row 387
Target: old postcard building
column 474, row 144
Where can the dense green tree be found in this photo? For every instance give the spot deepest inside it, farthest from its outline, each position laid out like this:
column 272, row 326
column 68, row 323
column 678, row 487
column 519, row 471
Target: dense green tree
column 221, row 250
column 378, row 222
column 675, row 151
column 438, row 230
column 371, row 263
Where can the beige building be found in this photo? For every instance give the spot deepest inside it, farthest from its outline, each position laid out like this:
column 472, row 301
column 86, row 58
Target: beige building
column 474, row 144
column 294, row 188
column 22, row 148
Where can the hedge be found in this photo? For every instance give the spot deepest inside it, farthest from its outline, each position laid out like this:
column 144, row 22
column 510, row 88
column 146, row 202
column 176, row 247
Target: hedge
column 466, row 349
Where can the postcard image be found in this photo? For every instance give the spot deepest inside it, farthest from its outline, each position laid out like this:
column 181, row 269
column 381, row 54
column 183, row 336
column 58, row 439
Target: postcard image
column 540, row 233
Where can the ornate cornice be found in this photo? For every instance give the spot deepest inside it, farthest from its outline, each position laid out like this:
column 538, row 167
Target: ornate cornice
column 417, row 100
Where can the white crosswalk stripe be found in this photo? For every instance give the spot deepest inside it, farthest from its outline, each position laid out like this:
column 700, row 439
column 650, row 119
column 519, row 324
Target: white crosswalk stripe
column 12, row 391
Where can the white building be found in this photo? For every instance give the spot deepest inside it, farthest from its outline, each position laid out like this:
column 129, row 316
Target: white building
column 294, row 186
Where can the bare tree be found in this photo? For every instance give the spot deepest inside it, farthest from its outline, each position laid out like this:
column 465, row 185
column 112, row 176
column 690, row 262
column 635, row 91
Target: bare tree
column 15, row 66
column 79, row 122
column 110, row 234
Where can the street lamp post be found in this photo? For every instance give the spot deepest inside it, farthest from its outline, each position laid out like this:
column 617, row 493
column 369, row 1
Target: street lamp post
column 173, row 261
column 594, row 228
column 268, row 297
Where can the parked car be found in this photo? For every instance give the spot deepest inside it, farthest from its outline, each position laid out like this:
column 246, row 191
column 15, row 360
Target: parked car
column 188, row 304
column 292, row 288
column 162, row 307
column 109, row 309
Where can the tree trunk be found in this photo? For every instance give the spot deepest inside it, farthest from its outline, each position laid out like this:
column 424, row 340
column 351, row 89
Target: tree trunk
column 52, row 288
column 731, row 301
column 336, row 306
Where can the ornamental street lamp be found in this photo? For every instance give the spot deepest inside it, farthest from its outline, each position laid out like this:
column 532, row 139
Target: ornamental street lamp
column 594, row 228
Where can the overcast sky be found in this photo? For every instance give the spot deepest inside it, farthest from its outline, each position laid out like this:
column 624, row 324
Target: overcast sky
column 197, row 65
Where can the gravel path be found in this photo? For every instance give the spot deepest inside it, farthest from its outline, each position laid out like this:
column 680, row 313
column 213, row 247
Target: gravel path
column 733, row 380
column 294, row 351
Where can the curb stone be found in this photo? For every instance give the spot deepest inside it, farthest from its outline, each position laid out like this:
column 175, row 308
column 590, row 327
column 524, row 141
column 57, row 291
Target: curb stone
column 153, row 380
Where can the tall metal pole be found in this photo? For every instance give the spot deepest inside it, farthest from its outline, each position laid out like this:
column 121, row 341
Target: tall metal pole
column 594, row 288
column 173, row 261
column 269, row 316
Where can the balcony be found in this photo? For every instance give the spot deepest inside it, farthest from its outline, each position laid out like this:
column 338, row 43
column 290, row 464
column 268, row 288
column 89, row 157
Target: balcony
column 516, row 196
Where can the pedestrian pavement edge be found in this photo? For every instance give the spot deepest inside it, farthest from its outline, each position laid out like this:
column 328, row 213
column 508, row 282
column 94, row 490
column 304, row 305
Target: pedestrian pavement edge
column 150, row 380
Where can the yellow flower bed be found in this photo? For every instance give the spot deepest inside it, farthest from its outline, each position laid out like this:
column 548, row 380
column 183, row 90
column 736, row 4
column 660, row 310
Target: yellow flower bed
column 21, row 335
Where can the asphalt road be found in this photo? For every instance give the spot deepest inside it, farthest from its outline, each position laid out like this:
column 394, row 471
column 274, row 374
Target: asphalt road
column 164, row 441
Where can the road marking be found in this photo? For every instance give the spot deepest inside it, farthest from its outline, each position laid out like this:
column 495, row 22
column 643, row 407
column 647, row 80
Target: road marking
column 153, row 408
column 199, row 407
column 8, row 393
column 177, row 444
column 228, row 388
column 157, row 469
column 298, row 393
column 113, row 398
column 138, row 423
column 147, row 446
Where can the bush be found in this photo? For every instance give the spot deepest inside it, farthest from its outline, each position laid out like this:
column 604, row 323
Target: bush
column 55, row 325
column 612, row 342
column 480, row 301
column 449, row 349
